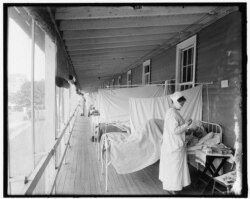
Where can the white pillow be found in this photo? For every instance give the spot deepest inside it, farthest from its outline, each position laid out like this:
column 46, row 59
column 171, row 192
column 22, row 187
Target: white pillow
column 206, row 137
column 214, row 140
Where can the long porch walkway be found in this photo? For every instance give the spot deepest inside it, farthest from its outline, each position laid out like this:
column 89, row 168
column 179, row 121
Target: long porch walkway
column 81, row 175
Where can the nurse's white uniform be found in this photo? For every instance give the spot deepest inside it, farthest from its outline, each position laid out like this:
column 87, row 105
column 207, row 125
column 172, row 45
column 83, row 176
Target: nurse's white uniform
column 173, row 170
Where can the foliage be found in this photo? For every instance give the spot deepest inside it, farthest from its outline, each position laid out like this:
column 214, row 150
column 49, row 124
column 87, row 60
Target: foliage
column 23, row 96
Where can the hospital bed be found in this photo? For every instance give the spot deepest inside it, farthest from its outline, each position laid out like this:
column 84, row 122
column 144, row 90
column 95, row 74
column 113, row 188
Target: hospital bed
column 209, row 127
column 106, row 147
column 103, row 128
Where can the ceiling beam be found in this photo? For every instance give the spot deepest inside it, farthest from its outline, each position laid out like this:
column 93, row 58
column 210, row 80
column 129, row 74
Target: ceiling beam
column 118, row 32
column 82, row 66
column 106, row 58
column 115, row 45
column 112, row 40
column 101, row 63
column 111, row 55
column 111, row 50
column 97, row 74
column 100, row 12
column 130, row 22
column 86, row 79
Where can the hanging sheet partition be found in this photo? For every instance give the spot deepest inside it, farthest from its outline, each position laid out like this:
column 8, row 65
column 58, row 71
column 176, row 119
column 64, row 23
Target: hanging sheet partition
column 142, row 110
column 130, row 153
column 92, row 99
column 114, row 103
column 95, row 100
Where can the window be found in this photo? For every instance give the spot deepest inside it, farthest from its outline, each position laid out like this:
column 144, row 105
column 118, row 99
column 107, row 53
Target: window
column 20, row 125
column 30, row 93
column 119, row 82
column 129, row 79
column 32, row 97
column 146, row 72
column 185, row 64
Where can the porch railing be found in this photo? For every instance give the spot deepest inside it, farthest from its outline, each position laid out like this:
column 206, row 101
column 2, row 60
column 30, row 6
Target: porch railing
column 36, row 175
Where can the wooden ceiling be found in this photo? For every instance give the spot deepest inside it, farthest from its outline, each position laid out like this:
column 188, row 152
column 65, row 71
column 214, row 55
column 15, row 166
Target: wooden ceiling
column 105, row 41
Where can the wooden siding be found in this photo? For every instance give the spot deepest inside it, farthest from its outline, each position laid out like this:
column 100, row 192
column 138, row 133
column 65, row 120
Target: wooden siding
column 137, row 74
column 163, row 65
column 219, row 58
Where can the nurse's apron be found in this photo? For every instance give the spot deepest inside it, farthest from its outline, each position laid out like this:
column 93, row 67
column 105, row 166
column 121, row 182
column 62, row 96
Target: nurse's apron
column 173, row 170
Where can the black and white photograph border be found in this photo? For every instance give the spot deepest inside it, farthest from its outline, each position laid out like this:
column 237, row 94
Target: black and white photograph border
column 97, row 95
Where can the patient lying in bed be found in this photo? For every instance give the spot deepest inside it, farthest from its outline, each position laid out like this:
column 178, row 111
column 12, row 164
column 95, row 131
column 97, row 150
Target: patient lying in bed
column 121, row 127
column 197, row 137
column 135, row 151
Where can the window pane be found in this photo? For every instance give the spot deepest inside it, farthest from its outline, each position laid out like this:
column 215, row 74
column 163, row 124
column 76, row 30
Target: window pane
column 185, row 58
column 190, row 56
column 19, row 97
column 185, row 74
column 146, row 69
column 39, row 93
column 189, row 75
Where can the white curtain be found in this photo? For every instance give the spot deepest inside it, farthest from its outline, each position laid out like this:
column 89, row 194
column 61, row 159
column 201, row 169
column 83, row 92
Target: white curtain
column 114, row 103
column 142, row 110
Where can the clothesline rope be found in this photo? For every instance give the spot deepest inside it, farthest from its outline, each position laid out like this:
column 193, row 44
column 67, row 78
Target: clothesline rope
column 141, row 85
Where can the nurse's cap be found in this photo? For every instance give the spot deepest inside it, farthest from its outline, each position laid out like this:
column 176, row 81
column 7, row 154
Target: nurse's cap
column 177, row 95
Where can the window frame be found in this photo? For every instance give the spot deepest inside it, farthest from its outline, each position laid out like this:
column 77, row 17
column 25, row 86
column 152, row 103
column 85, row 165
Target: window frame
column 119, row 82
column 144, row 65
column 190, row 42
column 42, row 184
column 129, row 82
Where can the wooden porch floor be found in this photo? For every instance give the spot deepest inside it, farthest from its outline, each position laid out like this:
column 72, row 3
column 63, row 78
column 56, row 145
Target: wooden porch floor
column 81, row 175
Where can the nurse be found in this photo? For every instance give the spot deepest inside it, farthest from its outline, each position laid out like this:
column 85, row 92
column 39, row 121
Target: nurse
column 173, row 170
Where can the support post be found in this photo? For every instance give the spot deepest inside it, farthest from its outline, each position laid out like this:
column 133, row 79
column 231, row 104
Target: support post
column 32, row 89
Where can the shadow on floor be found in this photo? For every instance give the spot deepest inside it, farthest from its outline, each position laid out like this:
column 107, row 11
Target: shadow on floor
column 197, row 187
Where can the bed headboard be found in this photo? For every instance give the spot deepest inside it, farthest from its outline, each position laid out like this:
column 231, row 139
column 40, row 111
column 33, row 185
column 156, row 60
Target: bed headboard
column 213, row 127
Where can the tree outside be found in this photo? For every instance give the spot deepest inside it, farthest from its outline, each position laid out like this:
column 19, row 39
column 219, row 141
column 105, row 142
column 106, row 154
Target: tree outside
column 22, row 99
